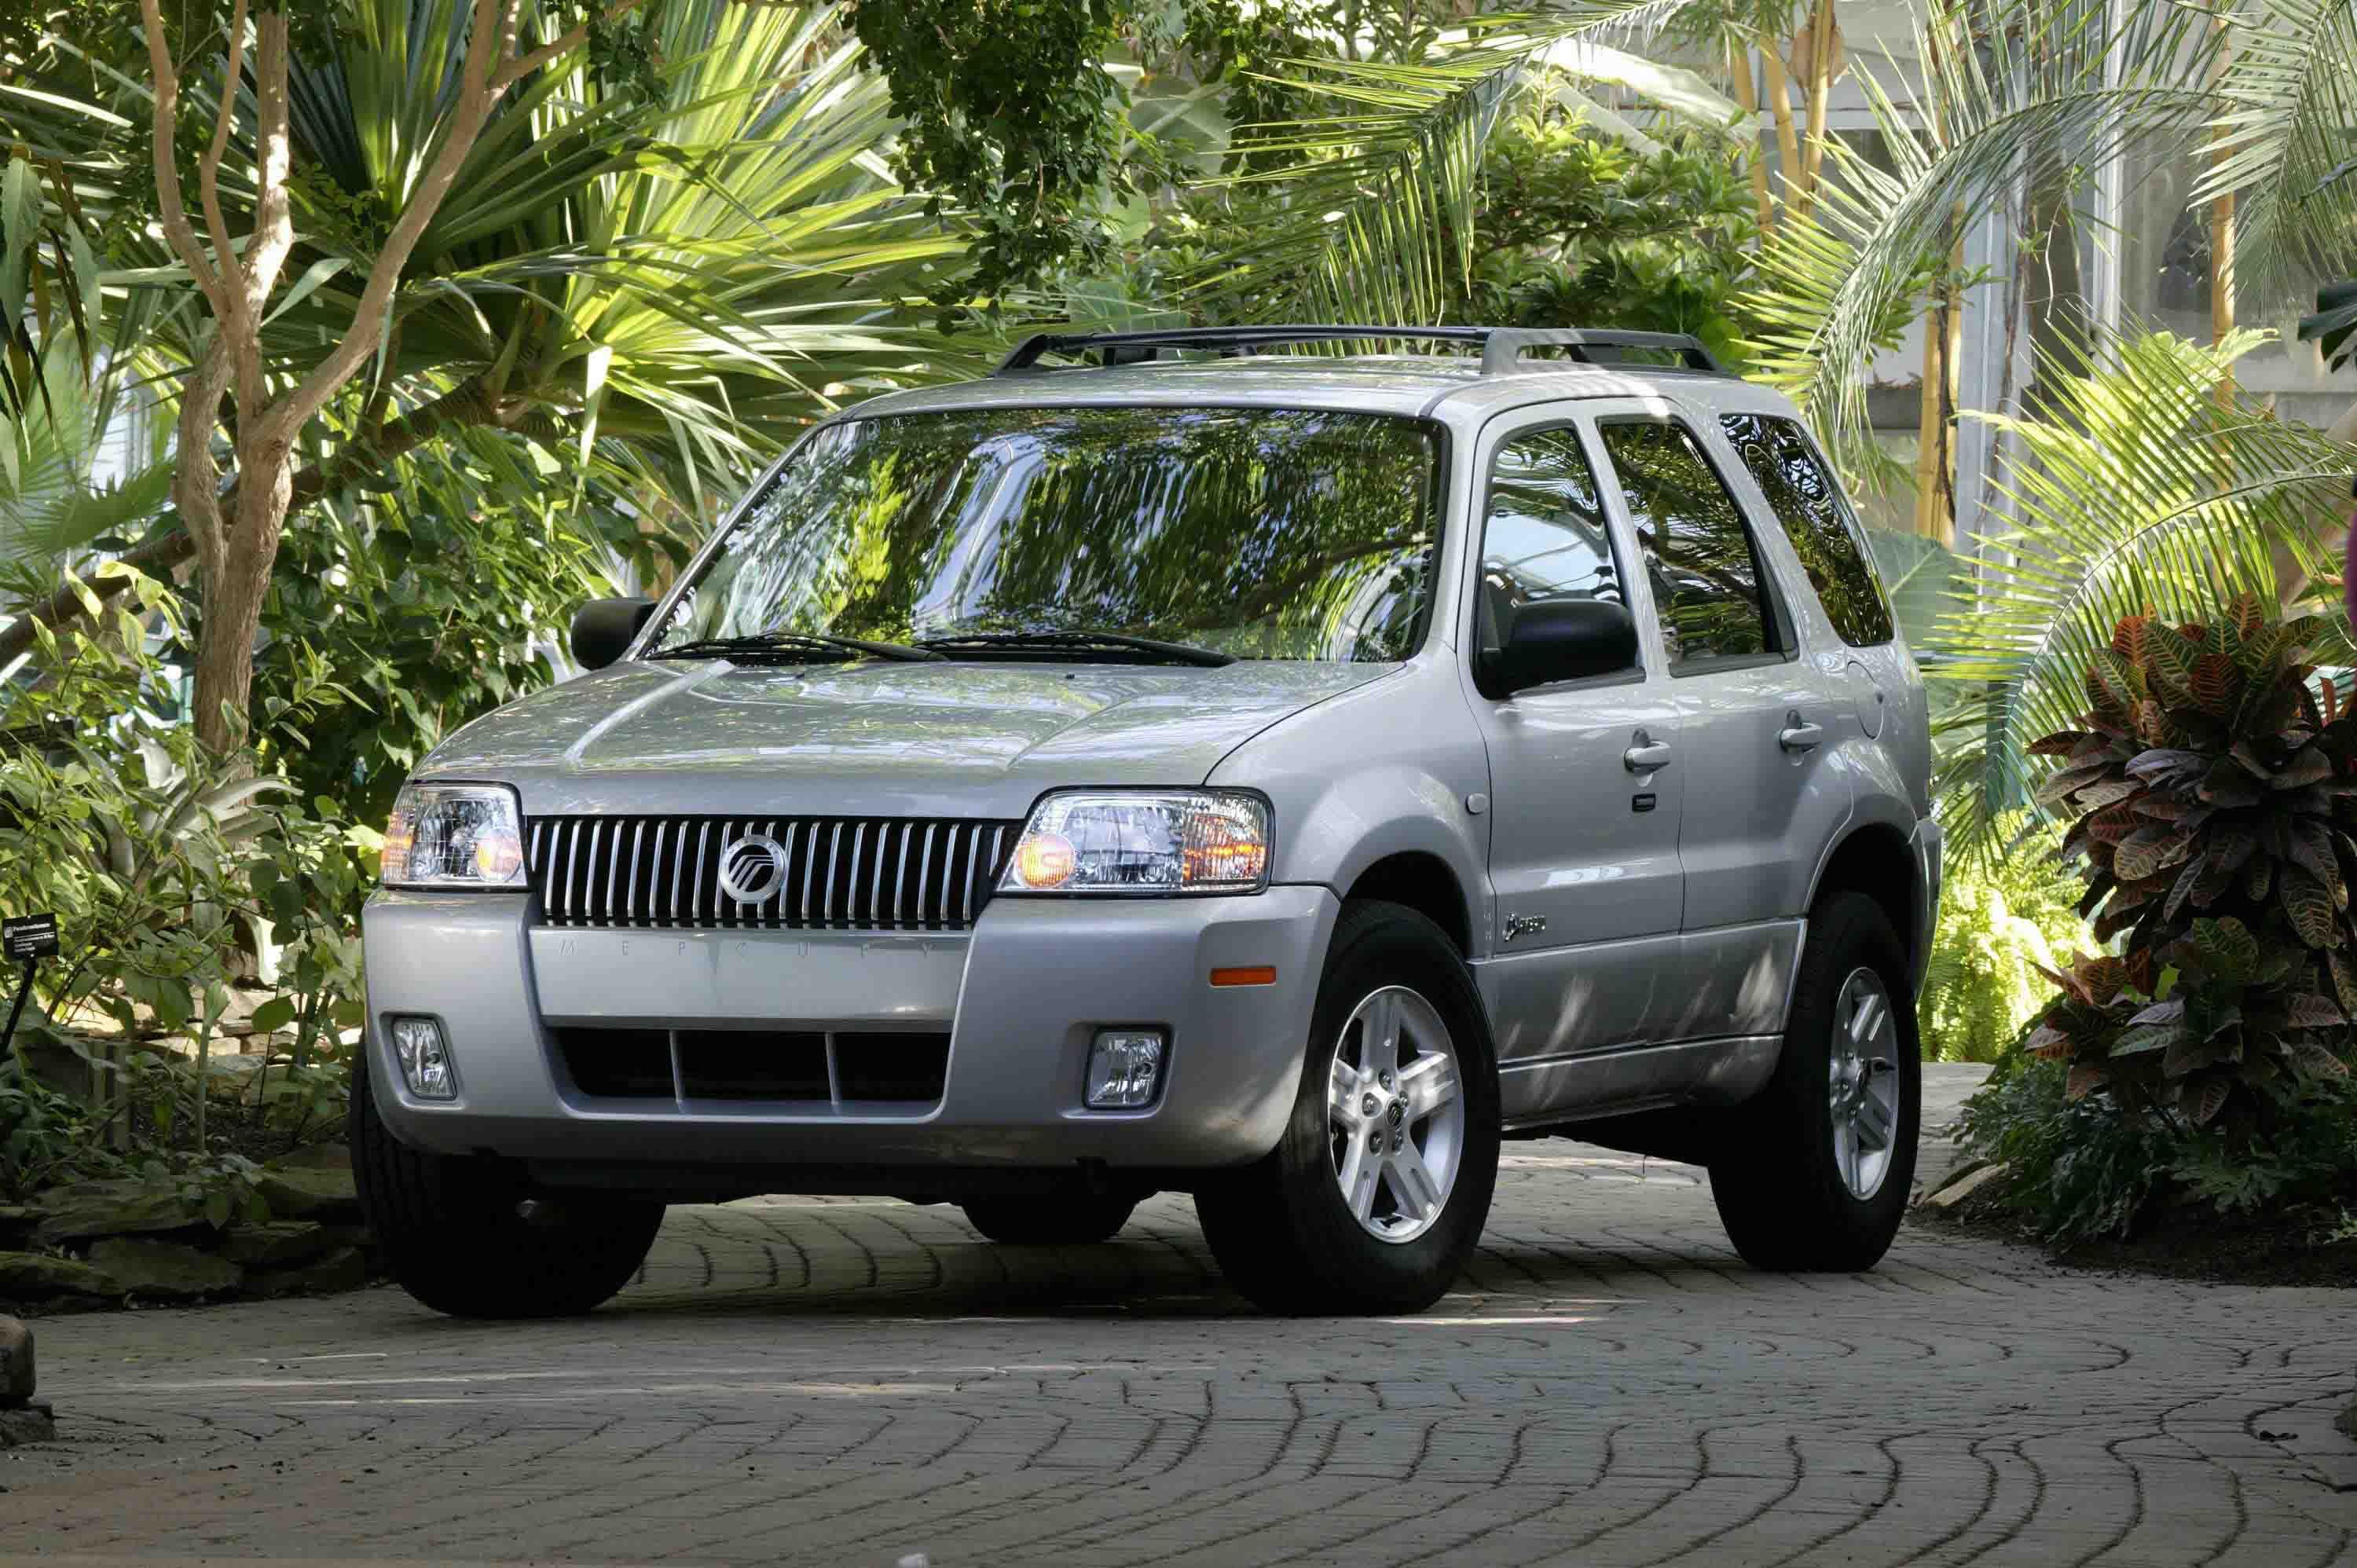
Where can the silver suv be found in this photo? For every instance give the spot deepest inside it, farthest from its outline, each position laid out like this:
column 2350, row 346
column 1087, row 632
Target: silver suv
column 1275, row 776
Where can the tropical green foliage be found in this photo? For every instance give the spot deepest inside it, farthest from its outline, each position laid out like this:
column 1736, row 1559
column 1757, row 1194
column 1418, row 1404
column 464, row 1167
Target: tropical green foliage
column 2006, row 921
column 2214, row 795
column 1578, row 226
column 2077, row 1169
column 62, row 385
column 1366, row 207
column 403, row 611
column 173, row 872
column 2135, row 492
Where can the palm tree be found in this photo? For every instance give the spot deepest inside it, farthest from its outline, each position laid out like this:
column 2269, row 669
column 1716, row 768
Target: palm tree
column 652, row 284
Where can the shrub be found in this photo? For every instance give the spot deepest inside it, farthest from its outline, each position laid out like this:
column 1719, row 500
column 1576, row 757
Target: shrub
column 2002, row 925
column 2077, row 1168
column 2213, row 790
column 2080, row 1167
column 171, row 870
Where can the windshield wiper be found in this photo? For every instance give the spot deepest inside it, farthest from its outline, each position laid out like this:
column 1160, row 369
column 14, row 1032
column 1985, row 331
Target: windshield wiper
column 784, row 645
column 1081, row 641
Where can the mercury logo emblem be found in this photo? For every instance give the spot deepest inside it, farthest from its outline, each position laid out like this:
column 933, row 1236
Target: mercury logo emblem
column 751, row 867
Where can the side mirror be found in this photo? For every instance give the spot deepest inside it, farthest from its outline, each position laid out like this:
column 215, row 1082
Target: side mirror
column 1561, row 641
column 603, row 630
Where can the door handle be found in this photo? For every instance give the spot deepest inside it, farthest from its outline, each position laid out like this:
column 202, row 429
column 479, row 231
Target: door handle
column 1646, row 755
column 1798, row 735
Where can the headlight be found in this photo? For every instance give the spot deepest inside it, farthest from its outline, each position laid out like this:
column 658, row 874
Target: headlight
column 455, row 836
column 1178, row 841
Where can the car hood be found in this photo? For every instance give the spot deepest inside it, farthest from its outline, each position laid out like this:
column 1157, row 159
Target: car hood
column 954, row 738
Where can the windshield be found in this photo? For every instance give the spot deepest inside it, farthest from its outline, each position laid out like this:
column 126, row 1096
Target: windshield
column 1260, row 533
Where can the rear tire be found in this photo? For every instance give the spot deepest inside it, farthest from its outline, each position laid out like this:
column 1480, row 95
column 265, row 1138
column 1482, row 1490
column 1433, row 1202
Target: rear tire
column 1815, row 1173
column 1283, row 1228
column 453, row 1237
column 1049, row 1222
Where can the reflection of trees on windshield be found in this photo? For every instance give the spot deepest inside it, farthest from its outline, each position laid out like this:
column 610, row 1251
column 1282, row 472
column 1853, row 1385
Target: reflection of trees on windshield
column 1705, row 578
column 1271, row 533
column 1817, row 518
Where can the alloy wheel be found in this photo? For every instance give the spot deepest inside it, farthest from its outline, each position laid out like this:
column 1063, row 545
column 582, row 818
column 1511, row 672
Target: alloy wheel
column 1396, row 1113
column 1864, row 1083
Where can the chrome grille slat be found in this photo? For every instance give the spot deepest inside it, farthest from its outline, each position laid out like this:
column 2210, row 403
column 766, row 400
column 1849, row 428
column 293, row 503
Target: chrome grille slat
column 826, row 894
column 851, row 883
column 631, row 886
column 671, row 900
column 696, row 888
column 572, row 858
column 841, row 872
column 924, row 866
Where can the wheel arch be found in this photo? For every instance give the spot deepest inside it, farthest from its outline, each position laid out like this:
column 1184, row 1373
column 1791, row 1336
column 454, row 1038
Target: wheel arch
column 1876, row 857
column 1424, row 882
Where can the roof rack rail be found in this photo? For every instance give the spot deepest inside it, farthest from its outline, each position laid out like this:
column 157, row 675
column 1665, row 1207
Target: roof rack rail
column 1502, row 348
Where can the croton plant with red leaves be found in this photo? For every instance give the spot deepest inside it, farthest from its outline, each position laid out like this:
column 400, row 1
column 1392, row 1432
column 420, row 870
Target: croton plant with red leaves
column 2214, row 789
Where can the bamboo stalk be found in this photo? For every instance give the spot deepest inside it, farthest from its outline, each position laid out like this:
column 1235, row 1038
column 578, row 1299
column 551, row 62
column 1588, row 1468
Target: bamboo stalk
column 1820, row 84
column 1747, row 93
column 2221, row 236
column 1788, row 140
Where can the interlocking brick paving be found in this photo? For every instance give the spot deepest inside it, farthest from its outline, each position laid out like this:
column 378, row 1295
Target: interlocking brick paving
column 854, row 1382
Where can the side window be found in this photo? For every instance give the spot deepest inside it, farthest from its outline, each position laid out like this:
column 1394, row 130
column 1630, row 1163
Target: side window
column 1707, row 577
column 1817, row 518
column 1542, row 537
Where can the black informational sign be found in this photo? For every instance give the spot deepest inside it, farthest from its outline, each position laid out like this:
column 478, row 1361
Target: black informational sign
column 29, row 936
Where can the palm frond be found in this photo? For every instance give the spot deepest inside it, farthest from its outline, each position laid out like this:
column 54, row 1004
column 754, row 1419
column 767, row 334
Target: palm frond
column 2286, row 130
column 2035, row 91
column 2136, row 494
column 1371, row 211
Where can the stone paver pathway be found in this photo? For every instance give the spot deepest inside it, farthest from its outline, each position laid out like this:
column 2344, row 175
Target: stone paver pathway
column 856, row 1382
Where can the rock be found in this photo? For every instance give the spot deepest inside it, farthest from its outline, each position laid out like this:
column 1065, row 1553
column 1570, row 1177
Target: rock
column 17, row 1222
column 2347, row 1421
column 312, row 1184
column 93, row 1209
column 276, row 1244
column 343, row 1268
column 316, row 1156
column 33, row 1274
column 164, row 1268
column 15, row 1363
column 1964, row 1186
column 32, row 1423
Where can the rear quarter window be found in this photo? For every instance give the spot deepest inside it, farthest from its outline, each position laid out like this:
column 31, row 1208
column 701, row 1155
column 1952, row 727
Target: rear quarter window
column 1817, row 518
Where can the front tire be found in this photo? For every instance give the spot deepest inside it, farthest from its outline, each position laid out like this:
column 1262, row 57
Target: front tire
column 453, row 1236
column 1375, row 1196
column 1048, row 1222
column 1815, row 1173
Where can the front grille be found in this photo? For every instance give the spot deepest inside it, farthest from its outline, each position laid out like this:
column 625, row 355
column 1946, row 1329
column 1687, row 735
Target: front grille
column 843, row 874
column 847, row 1067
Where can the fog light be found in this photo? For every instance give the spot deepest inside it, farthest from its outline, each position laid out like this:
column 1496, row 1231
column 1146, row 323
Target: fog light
column 1124, row 1070
column 424, row 1059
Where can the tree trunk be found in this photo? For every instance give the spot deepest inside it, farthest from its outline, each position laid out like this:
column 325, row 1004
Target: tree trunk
column 1935, row 454
column 235, row 583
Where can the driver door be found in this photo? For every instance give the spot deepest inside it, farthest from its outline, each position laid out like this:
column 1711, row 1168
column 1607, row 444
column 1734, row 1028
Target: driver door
column 1585, row 793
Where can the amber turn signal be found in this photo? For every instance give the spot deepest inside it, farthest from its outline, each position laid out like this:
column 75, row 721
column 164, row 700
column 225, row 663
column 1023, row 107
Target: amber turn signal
column 1253, row 974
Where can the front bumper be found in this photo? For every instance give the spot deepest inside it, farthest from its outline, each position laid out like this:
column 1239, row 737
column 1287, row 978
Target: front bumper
column 1021, row 997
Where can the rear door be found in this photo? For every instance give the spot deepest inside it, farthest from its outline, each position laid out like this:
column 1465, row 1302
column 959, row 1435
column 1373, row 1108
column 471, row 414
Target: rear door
column 1764, row 796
